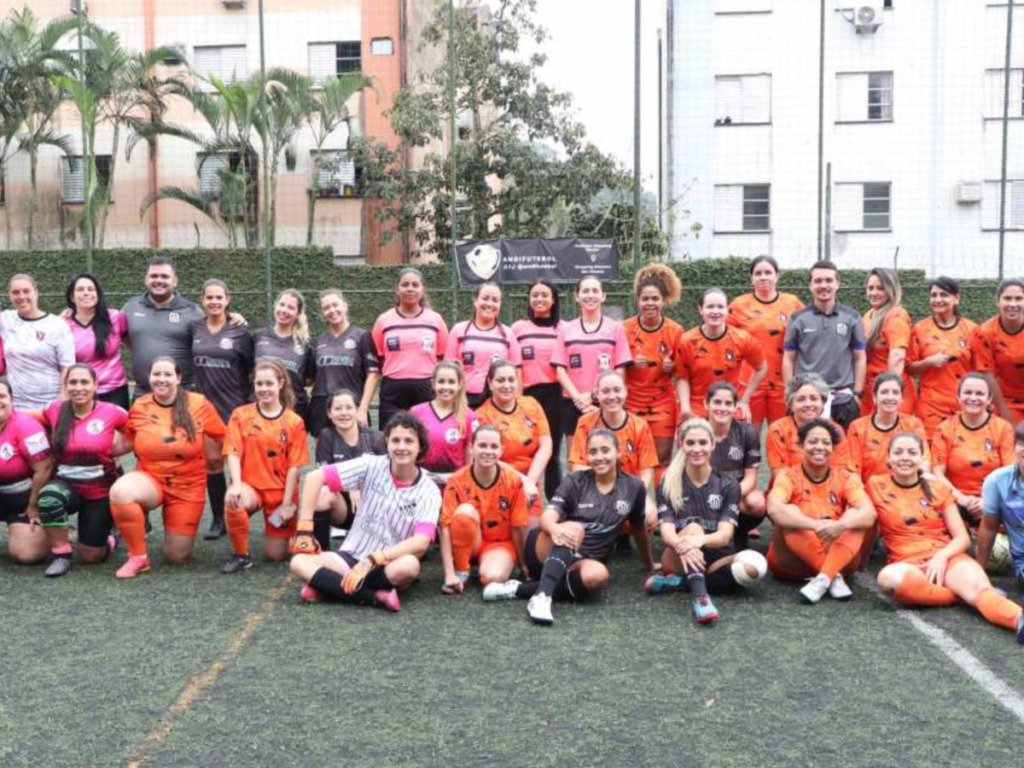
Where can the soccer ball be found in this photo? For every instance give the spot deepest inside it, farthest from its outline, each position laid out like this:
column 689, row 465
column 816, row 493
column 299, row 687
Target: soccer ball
column 999, row 558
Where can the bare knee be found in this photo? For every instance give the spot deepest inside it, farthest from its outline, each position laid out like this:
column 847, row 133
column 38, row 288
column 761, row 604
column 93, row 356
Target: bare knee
column 467, row 510
column 92, row 555
column 403, row 571
column 754, row 504
column 595, row 576
column 889, row 579
column 26, row 554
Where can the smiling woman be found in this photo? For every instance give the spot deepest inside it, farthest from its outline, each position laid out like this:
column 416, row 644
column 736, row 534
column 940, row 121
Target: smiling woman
column 475, row 343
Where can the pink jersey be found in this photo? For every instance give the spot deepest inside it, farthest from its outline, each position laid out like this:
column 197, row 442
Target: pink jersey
column 86, row 460
column 536, row 345
column 476, row 348
column 588, row 354
column 447, row 450
column 109, row 368
column 22, row 441
column 409, row 346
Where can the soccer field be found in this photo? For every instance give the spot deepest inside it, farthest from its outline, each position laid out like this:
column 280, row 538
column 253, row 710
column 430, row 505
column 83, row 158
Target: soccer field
column 187, row 667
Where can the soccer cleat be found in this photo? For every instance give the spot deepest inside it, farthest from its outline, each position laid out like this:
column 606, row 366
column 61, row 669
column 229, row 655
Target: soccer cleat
column 815, row 589
column 501, row 590
column 236, row 563
column 388, row 600
column 309, row 595
column 60, row 566
column 839, row 590
column 704, row 610
column 658, row 583
column 539, row 609
column 215, row 531
column 133, row 566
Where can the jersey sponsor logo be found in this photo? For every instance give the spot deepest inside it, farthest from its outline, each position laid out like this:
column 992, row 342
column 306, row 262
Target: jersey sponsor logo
column 227, row 343
column 527, row 353
column 452, row 436
column 40, row 335
column 842, row 329
column 173, row 317
column 735, row 452
column 468, row 357
column 335, row 361
column 715, row 501
column 575, row 361
column 6, row 451
column 204, row 361
column 350, row 344
column 94, row 426
column 604, row 362
column 622, row 507
column 36, row 443
column 393, row 343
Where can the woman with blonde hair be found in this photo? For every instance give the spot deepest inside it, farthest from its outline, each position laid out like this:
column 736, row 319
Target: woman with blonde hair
column 448, row 420
column 888, row 328
column 287, row 342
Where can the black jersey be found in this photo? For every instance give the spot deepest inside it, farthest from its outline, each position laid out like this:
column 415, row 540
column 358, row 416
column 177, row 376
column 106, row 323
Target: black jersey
column 223, row 363
column 717, row 501
column 331, row 447
column 297, row 360
column 343, row 362
column 602, row 514
column 738, row 451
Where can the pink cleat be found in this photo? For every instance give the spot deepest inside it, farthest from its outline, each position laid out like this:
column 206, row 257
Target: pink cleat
column 309, row 595
column 388, row 599
column 133, row 566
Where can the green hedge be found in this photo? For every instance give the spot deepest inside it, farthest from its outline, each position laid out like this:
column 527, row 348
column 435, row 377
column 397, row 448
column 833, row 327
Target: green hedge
column 369, row 289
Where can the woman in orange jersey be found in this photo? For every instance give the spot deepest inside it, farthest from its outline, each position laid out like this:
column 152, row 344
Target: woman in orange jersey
column 265, row 448
column 926, row 541
column 714, row 352
column 168, row 429
column 867, row 440
column 653, row 340
column 821, row 517
column 763, row 313
column 998, row 346
column 940, row 353
column 526, row 443
column 887, row 327
column 483, row 518
column 806, row 394
column 970, row 445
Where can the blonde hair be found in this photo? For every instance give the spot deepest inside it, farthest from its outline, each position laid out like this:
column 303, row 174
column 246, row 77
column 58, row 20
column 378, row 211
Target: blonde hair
column 300, row 329
column 890, row 281
column 672, row 482
column 461, row 403
column 663, row 278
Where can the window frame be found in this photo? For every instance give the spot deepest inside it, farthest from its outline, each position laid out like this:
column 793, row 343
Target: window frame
column 864, row 213
column 324, row 192
column 741, row 214
column 741, row 76
column 102, row 178
column 767, row 216
column 867, row 119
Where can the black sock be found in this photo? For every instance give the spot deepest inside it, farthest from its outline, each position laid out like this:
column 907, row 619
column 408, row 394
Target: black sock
column 571, row 587
column 697, row 586
column 557, row 563
column 746, row 524
column 322, row 529
column 378, row 579
column 328, row 584
column 722, row 581
column 527, row 589
column 216, row 488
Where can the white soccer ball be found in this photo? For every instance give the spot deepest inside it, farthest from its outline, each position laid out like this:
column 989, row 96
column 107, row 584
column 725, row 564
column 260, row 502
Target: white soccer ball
column 999, row 561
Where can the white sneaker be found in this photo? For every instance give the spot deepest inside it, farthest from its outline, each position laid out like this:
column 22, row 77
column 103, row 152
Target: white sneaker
column 539, row 609
column 815, row 589
column 501, row 590
column 838, row 589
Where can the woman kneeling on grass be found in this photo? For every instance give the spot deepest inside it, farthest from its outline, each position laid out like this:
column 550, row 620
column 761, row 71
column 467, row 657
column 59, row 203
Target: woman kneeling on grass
column 579, row 528
column 483, row 518
column 397, row 521
column 699, row 510
column 927, row 541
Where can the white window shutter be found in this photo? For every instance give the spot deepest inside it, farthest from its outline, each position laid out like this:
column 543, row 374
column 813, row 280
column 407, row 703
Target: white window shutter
column 234, row 65
column 323, row 61
column 208, row 168
column 72, row 181
column 729, row 208
column 1016, row 94
column 757, row 99
column 990, row 205
column 1015, row 204
column 728, row 98
column 852, row 94
column 847, row 207
column 994, row 93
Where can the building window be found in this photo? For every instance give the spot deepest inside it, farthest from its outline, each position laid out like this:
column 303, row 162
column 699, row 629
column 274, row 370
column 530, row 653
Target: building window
column 224, row 62
column 863, row 207
column 334, row 59
column 743, row 99
column 382, row 46
column 1014, row 205
column 72, row 179
column 338, row 174
column 994, row 93
column 864, row 97
column 742, row 208
column 220, row 179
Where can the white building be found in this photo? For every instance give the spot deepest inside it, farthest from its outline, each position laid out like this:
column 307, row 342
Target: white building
column 911, row 132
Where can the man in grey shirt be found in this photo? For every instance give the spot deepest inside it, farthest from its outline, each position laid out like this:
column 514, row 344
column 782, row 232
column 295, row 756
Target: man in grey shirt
column 827, row 338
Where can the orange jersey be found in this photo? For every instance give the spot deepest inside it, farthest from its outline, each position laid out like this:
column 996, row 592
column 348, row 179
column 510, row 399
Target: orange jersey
column 634, row 437
column 766, row 322
column 867, row 446
column 824, row 499
column 938, row 385
column 895, row 333
column 704, row 361
column 168, row 455
column 648, row 385
column 267, row 448
column 913, row 528
column 784, row 450
column 1001, row 354
column 521, row 430
column 969, row 455
column 501, row 506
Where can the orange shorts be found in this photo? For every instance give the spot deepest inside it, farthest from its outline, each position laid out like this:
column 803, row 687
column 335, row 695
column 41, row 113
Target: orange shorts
column 179, row 506
column 536, row 508
column 661, row 417
column 269, row 500
column 491, row 546
column 921, row 561
column 767, row 405
column 787, row 574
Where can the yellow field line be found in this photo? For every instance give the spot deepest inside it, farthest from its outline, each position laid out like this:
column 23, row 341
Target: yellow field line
column 203, row 680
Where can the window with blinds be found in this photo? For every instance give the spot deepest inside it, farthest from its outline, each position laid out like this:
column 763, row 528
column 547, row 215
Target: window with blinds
column 743, row 99
column 1014, row 205
column 742, row 208
column 208, row 171
column 862, row 206
column 334, row 59
column 72, row 177
column 994, row 81
column 225, row 62
column 864, row 97
column 338, row 175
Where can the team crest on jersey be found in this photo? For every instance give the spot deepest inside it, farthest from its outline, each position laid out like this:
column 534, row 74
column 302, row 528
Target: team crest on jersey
column 350, row 344
column 925, row 502
column 833, row 499
column 503, row 504
column 782, row 317
column 735, row 452
column 173, row 317
column 468, row 358
column 451, row 436
column 989, row 445
column 575, row 361
column 428, row 343
column 40, row 335
column 715, row 501
column 604, row 362
column 622, row 507
column 730, row 355
column 842, row 329
column 663, row 349
column 962, row 343
column 227, row 344
column 6, row 451
column 94, row 426
column 630, row 448
column 530, row 423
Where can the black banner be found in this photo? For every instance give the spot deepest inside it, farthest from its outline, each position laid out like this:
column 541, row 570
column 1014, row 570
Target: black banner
column 566, row 260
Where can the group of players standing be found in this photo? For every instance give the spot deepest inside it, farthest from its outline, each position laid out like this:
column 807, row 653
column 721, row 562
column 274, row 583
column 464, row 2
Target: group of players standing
column 664, row 425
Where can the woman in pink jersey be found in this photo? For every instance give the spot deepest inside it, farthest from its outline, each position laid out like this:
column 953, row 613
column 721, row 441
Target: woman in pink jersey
column 448, row 419
column 585, row 348
column 86, row 436
column 98, row 333
column 475, row 343
column 25, row 465
column 537, row 335
column 410, row 339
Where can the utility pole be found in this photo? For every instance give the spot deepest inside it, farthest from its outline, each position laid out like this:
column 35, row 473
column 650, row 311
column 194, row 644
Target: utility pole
column 268, row 259
column 1006, row 133
column 636, row 141
column 454, row 168
column 87, row 162
column 821, row 121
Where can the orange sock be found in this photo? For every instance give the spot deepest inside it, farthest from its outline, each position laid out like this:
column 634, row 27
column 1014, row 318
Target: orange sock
column 997, row 609
column 131, row 523
column 464, row 531
column 915, row 589
column 842, row 552
column 808, row 547
column 237, row 522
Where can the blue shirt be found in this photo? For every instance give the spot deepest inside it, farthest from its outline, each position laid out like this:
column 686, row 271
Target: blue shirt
column 1002, row 497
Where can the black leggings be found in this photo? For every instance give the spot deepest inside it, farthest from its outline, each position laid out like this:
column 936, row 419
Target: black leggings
column 401, row 395
column 550, row 398
column 117, row 396
column 94, row 522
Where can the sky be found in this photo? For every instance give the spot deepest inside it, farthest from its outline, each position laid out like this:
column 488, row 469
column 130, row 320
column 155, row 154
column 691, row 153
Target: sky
column 590, row 55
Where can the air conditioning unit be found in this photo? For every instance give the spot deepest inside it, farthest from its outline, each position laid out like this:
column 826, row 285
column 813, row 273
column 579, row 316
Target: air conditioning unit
column 233, row 3
column 79, row 7
column 968, row 192
column 867, row 18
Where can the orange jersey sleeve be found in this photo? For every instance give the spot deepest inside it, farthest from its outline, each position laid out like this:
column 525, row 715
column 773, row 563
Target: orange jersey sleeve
column 1001, row 354
column 913, row 526
column 637, row 449
column 578, row 448
column 969, row 455
column 501, row 507
column 521, row 430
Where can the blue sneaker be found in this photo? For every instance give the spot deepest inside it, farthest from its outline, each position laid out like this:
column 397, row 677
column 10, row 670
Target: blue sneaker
column 657, row 583
column 704, row 610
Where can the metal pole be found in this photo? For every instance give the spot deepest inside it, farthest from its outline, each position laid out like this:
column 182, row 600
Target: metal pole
column 268, row 258
column 828, row 212
column 454, row 168
column 1006, row 133
column 661, row 143
column 637, row 232
column 821, row 120
column 86, row 149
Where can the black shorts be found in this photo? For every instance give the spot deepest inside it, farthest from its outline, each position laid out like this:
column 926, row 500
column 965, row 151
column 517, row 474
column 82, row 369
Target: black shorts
column 12, row 508
column 401, row 395
column 117, row 396
column 475, row 401
column 712, row 556
column 570, row 416
column 94, row 522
